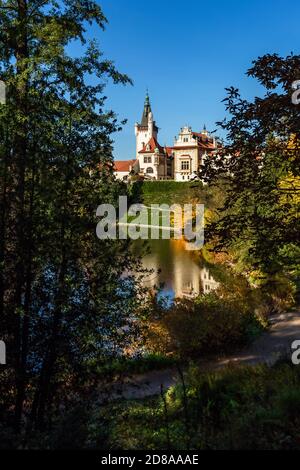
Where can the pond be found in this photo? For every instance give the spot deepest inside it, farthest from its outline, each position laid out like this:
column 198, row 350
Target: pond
column 180, row 273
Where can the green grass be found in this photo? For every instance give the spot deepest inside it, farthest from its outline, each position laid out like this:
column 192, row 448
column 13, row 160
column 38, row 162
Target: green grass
column 168, row 192
column 138, row 365
column 235, row 408
column 164, row 186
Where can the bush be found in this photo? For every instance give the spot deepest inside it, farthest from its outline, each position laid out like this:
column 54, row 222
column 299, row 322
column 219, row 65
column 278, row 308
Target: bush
column 135, row 365
column 209, row 325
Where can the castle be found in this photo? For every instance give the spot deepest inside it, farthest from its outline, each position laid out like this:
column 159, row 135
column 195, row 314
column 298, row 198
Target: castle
column 154, row 162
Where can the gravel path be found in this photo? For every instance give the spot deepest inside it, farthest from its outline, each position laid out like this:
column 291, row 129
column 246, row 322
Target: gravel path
column 267, row 349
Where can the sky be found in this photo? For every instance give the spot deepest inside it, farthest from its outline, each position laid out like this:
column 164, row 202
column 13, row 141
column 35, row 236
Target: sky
column 186, row 53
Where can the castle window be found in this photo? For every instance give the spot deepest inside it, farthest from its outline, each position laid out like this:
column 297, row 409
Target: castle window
column 185, row 165
column 185, row 139
column 149, row 170
column 147, row 159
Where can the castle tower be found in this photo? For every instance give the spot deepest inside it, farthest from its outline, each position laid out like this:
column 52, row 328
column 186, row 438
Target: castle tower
column 147, row 128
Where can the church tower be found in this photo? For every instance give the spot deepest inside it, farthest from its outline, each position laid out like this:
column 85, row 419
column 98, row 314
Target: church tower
column 147, row 127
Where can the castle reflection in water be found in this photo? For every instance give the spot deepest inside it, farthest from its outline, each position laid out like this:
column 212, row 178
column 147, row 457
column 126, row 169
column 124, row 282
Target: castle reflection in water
column 178, row 270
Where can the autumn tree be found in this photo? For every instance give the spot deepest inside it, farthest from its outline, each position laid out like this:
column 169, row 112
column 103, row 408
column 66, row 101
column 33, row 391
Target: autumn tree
column 259, row 163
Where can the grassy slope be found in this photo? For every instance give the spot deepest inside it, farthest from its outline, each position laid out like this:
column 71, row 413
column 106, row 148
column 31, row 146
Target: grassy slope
column 239, row 408
column 171, row 192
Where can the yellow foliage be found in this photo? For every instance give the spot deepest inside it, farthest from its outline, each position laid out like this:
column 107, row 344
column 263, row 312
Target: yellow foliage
column 290, row 187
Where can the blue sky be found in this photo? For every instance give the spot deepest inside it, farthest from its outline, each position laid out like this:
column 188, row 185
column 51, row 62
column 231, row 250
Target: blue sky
column 186, row 53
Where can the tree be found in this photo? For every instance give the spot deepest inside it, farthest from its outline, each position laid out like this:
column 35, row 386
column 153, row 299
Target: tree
column 63, row 300
column 260, row 214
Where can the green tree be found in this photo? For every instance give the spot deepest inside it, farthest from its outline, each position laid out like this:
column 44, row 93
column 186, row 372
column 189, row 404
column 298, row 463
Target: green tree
column 63, row 300
column 259, row 217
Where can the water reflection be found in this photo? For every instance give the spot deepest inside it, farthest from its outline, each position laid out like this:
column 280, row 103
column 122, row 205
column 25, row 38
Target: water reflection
column 179, row 270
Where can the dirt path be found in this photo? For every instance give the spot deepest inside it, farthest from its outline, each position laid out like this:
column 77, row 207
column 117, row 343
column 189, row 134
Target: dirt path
column 271, row 345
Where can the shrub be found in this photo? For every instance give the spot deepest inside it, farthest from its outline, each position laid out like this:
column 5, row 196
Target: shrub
column 209, row 325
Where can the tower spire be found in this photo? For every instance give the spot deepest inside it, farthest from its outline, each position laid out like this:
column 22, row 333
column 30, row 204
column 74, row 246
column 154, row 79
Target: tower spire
column 204, row 131
column 146, row 111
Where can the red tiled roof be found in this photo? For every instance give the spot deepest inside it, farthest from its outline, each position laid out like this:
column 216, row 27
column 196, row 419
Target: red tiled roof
column 204, row 141
column 153, row 144
column 200, row 134
column 169, row 151
column 124, row 165
column 209, row 147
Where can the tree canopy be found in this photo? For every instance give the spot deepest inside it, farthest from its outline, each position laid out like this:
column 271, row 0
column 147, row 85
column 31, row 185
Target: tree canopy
column 62, row 297
column 260, row 164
